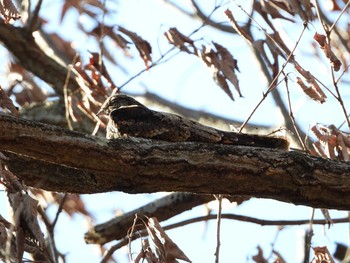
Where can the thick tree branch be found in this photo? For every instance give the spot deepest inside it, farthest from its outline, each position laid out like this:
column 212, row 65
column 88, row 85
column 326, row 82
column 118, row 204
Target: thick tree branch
column 76, row 162
column 22, row 45
column 163, row 208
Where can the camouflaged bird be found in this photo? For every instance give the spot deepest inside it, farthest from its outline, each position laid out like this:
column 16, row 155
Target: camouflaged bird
column 128, row 117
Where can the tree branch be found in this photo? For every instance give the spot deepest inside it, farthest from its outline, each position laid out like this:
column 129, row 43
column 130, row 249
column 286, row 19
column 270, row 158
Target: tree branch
column 79, row 163
column 22, row 45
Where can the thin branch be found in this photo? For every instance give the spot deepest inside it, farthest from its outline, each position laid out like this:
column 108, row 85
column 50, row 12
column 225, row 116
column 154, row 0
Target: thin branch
column 218, row 228
column 339, row 16
column 123, row 242
column 328, row 32
column 272, row 84
column 33, row 22
column 65, row 92
column 302, row 142
column 160, row 59
column 59, row 210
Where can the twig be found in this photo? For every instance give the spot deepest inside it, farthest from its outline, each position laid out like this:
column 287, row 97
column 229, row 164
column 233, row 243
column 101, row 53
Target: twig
column 309, row 236
column 218, row 227
column 302, row 142
column 340, row 15
column 59, row 210
column 272, row 84
column 65, row 91
column 127, row 240
column 273, row 243
column 32, row 23
column 328, row 33
column 160, row 59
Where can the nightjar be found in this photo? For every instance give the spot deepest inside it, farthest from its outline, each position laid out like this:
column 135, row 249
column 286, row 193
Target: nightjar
column 128, row 117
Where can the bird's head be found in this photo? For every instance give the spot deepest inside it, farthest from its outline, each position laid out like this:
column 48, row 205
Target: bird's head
column 117, row 101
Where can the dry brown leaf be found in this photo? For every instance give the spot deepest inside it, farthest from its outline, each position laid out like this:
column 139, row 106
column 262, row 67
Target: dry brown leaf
column 95, row 61
column 104, row 30
column 322, row 255
column 8, row 11
column 64, row 47
column 335, row 6
column 318, row 150
column 279, row 258
column 30, row 93
column 83, row 7
column 259, row 258
column 222, row 65
column 6, row 103
column 322, row 41
column 73, row 204
column 142, row 45
column 336, row 144
column 303, row 8
column 270, row 9
column 221, row 82
column 311, row 80
column 240, row 30
column 277, row 38
column 228, row 65
column 266, row 9
column 179, row 40
column 25, row 217
column 283, row 5
column 166, row 249
column 122, row 43
column 311, row 91
column 146, row 253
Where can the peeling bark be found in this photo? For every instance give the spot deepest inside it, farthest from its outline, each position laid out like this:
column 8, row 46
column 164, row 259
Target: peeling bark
column 56, row 159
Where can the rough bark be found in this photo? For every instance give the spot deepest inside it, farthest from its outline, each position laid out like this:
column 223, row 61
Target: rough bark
column 163, row 208
column 56, row 159
column 22, row 45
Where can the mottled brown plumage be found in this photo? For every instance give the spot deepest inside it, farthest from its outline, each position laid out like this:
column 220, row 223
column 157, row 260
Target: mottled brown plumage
column 128, row 117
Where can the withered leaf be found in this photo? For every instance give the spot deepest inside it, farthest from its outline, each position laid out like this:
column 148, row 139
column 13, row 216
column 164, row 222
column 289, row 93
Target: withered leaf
column 222, row 65
column 228, row 65
column 222, row 83
column 322, row 41
column 270, row 9
column 103, row 30
column 259, row 258
column 240, row 30
column 311, row 91
column 6, row 103
column 167, row 249
column 316, row 89
column 99, row 65
column 9, row 11
column 303, row 8
column 334, row 144
column 179, row 40
column 284, row 5
column 322, row 255
column 142, row 45
column 82, row 7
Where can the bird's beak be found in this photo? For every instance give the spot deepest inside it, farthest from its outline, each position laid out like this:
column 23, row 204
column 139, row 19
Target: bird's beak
column 100, row 111
column 103, row 107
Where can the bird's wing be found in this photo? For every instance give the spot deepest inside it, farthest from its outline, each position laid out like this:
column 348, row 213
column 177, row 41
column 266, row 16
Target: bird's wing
column 139, row 121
